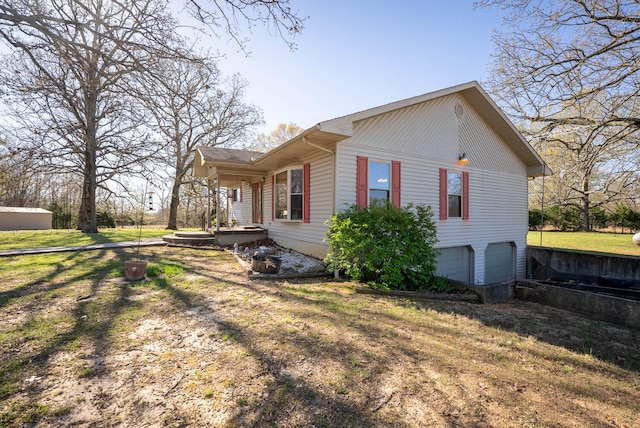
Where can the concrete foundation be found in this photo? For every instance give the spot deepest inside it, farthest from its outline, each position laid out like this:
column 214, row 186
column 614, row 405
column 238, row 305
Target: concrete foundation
column 490, row 293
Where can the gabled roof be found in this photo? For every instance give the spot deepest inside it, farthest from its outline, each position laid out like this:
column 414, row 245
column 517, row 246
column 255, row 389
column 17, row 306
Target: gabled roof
column 231, row 155
column 478, row 98
column 325, row 135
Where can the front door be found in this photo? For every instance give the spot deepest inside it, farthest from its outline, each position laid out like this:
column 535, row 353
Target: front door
column 256, row 202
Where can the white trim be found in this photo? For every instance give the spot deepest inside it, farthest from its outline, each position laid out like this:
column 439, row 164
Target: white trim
column 288, row 170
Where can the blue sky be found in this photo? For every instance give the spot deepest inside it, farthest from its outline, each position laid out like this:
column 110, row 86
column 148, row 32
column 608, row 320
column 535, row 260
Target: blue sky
column 357, row 54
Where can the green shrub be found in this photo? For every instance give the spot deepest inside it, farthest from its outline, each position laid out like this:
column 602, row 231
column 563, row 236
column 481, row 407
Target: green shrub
column 626, row 217
column 535, row 219
column 105, row 219
column 564, row 218
column 599, row 217
column 384, row 246
column 61, row 217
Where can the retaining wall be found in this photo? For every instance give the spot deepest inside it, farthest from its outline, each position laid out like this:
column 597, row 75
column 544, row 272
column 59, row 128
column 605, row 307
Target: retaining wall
column 544, row 263
column 550, row 263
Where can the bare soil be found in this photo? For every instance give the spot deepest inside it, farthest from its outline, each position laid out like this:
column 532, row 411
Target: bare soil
column 202, row 345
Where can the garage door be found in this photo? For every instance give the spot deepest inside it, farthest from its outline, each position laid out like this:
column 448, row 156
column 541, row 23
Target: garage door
column 499, row 262
column 456, row 263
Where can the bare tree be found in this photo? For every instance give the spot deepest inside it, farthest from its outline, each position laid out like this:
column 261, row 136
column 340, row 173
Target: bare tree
column 593, row 167
column 554, row 53
column 73, row 60
column 233, row 16
column 70, row 84
column 21, row 185
column 283, row 132
column 567, row 73
column 192, row 105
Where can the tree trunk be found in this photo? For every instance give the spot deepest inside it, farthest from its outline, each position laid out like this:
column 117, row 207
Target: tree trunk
column 585, row 223
column 173, row 207
column 87, row 221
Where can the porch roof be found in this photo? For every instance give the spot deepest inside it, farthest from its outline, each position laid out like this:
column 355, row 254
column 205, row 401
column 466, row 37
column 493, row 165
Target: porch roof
column 231, row 166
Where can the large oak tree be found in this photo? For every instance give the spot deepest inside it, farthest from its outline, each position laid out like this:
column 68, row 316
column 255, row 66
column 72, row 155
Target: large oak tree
column 567, row 72
column 73, row 60
column 192, row 105
column 69, row 80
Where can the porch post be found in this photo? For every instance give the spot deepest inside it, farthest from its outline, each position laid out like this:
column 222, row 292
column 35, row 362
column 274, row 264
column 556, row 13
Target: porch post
column 208, row 204
column 218, row 204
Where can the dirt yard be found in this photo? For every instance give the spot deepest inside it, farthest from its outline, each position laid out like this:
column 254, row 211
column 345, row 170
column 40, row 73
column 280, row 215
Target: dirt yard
column 199, row 344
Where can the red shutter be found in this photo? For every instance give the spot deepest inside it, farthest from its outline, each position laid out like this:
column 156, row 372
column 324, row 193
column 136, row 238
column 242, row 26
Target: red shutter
column 362, row 181
column 273, row 197
column 395, row 183
column 241, row 193
column 465, row 196
column 443, row 194
column 306, row 192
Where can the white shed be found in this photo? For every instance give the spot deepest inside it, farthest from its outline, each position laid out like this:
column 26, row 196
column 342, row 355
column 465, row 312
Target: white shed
column 18, row 218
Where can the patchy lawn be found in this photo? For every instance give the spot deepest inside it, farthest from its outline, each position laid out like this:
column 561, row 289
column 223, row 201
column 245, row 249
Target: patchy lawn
column 199, row 344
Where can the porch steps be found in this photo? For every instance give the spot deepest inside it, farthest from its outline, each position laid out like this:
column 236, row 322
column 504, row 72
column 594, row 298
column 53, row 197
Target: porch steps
column 190, row 238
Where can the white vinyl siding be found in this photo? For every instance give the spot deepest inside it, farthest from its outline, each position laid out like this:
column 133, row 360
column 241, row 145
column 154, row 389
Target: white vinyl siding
column 241, row 209
column 306, row 238
column 498, row 210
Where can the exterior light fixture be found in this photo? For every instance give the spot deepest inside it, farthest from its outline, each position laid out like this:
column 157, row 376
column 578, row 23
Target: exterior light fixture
column 463, row 159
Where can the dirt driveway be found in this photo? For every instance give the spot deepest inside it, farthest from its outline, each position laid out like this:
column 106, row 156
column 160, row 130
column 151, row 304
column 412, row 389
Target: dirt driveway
column 198, row 344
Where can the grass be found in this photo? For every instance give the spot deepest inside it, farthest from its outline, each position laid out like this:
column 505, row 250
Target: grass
column 617, row 243
column 199, row 344
column 10, row 240
column 601, row 242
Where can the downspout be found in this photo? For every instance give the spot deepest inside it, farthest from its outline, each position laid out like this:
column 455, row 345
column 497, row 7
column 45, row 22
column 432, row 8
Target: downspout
column 336, row 273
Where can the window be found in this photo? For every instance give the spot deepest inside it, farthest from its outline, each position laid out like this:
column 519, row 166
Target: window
column 237, row 195
column 377, row 181
column 379, row 177
column 454, row 195
column 289, row 194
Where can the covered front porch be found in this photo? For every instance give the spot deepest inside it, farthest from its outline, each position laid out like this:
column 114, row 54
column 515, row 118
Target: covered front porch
column 233, row 169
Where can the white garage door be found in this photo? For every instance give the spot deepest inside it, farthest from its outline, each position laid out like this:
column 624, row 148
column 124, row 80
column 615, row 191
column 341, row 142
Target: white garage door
column 499, row 262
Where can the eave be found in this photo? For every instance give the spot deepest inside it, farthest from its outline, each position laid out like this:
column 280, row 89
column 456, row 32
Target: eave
column 232, row 172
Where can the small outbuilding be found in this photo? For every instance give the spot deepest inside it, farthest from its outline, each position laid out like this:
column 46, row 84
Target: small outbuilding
column 18, row 218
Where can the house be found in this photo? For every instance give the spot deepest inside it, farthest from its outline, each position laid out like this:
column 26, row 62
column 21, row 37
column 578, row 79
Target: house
column 452, row 149
column 19, row 218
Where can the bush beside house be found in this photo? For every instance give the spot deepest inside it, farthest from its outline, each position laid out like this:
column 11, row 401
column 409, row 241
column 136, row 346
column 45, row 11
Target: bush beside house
column 385, row 247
